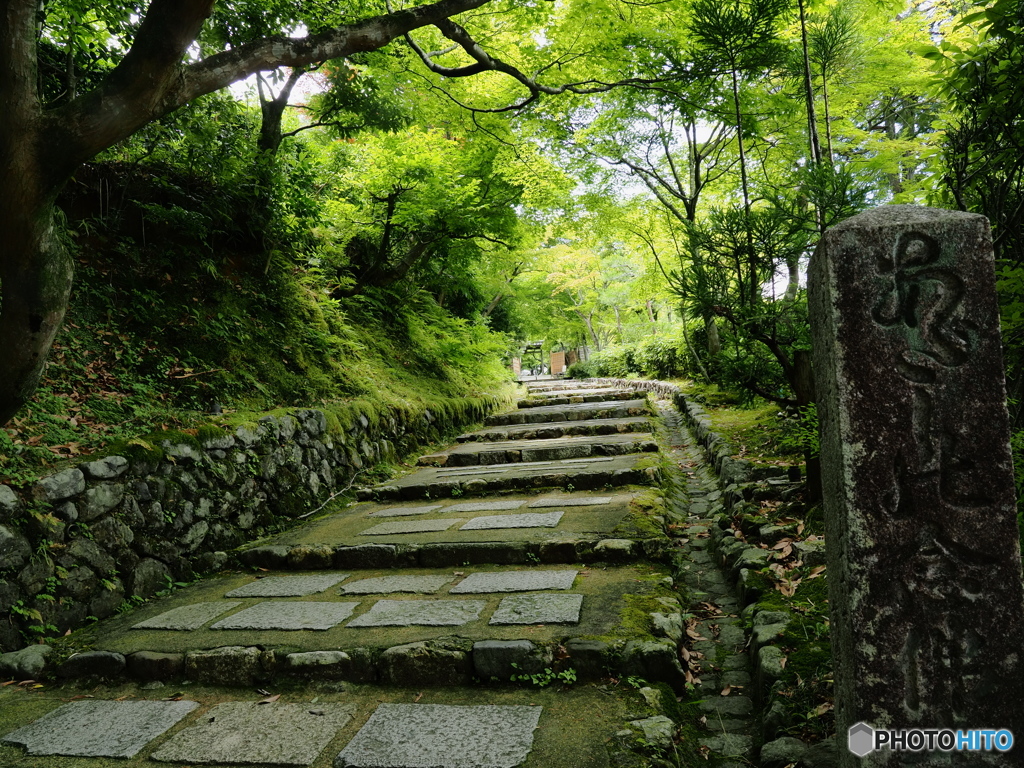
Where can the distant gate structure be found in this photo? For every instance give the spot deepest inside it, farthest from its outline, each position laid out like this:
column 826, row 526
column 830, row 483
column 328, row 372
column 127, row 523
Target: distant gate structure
column 530, row 361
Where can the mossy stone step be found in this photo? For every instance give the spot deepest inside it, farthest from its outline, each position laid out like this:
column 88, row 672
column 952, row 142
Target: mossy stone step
column 536, row 400
column 559, row 429
column 516, row 528
column 515, row 451
column 584, row 474
column 469, row 618
column 618, row 409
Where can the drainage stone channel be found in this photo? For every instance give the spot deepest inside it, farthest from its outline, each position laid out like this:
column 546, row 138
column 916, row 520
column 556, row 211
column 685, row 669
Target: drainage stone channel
column 540, row 550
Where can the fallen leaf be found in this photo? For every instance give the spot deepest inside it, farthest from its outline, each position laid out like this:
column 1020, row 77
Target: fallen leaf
column 417, row 697
column 26, row 682
column 693, row 633
column 262, row 692
column 122, row 698
column 726, row 691
column 782, row 543
column 816, row 571
column 269, row 699
column 821, row 709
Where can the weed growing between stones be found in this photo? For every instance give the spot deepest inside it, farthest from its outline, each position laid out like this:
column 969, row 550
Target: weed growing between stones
column 545, row 677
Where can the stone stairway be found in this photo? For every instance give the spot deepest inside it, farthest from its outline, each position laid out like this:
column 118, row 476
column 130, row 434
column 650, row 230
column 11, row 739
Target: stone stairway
column 388, row 633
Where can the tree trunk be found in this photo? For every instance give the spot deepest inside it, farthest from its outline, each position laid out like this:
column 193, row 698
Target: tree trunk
column 812, row 120
column 714, row 340
column 36, row 275
column 588, row 321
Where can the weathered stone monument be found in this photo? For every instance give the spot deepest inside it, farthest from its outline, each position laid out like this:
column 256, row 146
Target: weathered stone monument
column 924, row 559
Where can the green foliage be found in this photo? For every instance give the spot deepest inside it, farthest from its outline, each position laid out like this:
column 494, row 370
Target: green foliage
column 801, row 432
column 545, row 677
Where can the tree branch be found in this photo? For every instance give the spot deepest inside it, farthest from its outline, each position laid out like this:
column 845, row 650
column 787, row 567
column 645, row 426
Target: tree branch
column 152, row 81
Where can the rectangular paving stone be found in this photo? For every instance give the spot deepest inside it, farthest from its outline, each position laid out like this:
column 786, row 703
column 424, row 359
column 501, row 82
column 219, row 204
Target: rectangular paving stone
column 283, row 614
column 525, row 520
column 409, row 526
column 485, row 506
column 246, row 732
column 514, row 581
column 442, row 736
column 593, row 501
column 588, row 460
column 538, row 609
column 428, row 613
column 459, row 471
column 383, row 585
column 188, row 617
column 99, row 728
column 404, row 511
column 288, row 586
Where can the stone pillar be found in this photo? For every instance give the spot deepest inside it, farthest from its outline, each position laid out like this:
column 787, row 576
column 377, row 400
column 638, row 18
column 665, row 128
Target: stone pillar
column 923, row 553
column 517, row 365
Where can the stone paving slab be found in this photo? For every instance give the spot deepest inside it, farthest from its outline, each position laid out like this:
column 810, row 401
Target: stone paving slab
column 582, row 474
column 559, row 429
column 514, row 581
column 383, row 585
column 188, row 617
column 421, row 509
column 525, row 520
column 431, row 613
column 100, row 728
column 442, row 736
column 414, row 526
column 569, row 501
column 617, row 409
column 538, row 609
column 281, row 614
column 289, row 586
column 491, row 453
column 485, row 506
column 240, row 732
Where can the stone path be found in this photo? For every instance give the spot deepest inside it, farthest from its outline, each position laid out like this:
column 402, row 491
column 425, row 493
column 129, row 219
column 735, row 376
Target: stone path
column 392, row 628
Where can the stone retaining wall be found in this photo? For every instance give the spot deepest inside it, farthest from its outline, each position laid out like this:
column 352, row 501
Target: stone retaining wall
column 79, row 542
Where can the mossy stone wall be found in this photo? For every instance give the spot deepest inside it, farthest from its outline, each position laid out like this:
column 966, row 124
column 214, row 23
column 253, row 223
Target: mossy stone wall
column 80, row 542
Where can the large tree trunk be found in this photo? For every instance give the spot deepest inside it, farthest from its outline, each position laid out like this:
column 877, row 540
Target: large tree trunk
column 35, row 270
column 35, row 275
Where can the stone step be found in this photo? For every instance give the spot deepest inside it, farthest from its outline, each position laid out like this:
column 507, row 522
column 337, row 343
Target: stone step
column 551, row 527
column 585, row 474
column 559, row 429
column 560, row 384
column 427, row 626
column 618, row 409
column 516, row 451
column 323, row 724
column 565, row 397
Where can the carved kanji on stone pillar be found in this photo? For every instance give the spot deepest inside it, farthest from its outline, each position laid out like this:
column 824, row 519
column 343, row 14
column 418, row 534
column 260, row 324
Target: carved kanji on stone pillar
column 921, row 530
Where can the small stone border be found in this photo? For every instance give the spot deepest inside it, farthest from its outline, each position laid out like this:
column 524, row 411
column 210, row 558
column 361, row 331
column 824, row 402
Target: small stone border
column 739, row 483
